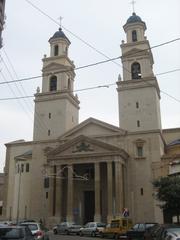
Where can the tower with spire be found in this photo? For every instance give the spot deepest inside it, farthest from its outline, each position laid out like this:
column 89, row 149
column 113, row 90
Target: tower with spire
column 139, row 94
column 56, row 107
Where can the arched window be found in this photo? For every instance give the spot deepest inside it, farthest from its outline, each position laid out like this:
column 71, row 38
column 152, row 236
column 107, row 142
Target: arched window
column 69, row 83
column 134, row 36
column 136, row 70
column 56, row 50
column 53, row 83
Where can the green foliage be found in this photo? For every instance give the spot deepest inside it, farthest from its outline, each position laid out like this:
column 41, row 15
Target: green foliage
column 168, row 192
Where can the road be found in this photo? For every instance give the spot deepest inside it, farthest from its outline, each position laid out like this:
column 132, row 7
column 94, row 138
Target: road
column 70, row 237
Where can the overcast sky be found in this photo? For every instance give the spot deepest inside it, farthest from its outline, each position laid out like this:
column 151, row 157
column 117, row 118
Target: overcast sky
column 99, row 23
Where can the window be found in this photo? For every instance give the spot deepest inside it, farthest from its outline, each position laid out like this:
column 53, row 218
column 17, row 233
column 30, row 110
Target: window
column 22, row 168
column 17, row 168
column 46, row 182
column 137, row 105
column 27, row 167
column 56, row 50
column 46, row 195
column 139, row 151
column 0, row 210
column 134, row 36
column 142, row 191
column 53, row 83
column 138, row 123
column 136, row 70
column 49, row 132
column 139, row 148
column 49, row 115
column 69, row 83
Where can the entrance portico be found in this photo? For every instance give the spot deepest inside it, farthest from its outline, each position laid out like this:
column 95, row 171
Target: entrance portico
column 88, row 181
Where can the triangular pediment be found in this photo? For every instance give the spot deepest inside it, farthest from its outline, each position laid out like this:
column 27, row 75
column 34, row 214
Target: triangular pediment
column 135, row 52
column 93, row 127
column 54, row 66
column 84, row 146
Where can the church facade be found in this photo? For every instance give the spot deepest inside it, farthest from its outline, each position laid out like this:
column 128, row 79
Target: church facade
column 90, row 171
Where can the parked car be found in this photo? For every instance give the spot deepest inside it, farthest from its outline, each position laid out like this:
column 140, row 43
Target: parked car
column 138, row 230
column 37, row 230
column 92, row 228
column 167, row 232
column 15, row 232
column 67, row 228
column 151, row 231
column 118, row 227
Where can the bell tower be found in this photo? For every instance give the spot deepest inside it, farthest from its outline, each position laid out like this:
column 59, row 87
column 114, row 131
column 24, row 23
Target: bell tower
column 138, row 91
column 56, row 107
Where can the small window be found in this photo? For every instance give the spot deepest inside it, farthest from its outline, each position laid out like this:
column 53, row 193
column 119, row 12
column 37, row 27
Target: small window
column 27, row 167
column 137, row 105
column 56, row 50
column 136, row 70
column 49, row 132
column 138, row 123
column 17, row 168
column 22, row 168
column 53, row 83
column 1, row 210
column 69, row 83
column 142, row 191
column 49, row 115
column 139, row 151
column 134, row 36
column 46, row 182
column 46, row 195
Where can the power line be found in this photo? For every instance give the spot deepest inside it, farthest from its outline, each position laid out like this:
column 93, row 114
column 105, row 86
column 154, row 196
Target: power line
column 41, row 123
column 73, row 34
column 90, row 88
column 81, row 67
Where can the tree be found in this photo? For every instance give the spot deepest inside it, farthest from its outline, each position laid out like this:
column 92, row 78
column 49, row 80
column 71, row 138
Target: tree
column 168, row 193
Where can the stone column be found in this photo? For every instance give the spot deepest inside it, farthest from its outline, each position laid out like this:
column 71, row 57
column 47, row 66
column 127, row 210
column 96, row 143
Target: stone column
column 109, row 191
column 58, row 193
column 118, row 188
column 70, row 194
column 97, row 216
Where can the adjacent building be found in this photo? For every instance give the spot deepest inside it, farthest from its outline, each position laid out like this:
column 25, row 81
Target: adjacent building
column 2, row 14
column 90, row 170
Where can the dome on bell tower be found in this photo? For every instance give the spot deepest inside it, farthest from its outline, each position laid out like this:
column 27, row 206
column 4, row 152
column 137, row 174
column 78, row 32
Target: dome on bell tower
column 59, row 34
column 134, row 18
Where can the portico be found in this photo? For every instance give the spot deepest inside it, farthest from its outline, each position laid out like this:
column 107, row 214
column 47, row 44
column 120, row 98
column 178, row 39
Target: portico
column 91, row 186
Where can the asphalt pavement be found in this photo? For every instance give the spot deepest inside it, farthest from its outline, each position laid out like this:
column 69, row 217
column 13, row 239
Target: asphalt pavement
column 70, row 237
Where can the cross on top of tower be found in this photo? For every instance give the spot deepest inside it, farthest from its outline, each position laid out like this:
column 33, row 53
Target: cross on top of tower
column 60, row 21
column 133, row 4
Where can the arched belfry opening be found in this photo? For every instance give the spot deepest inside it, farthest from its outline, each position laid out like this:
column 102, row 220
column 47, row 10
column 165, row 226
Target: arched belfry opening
column 53, row 83
column 136, row 70
column 56, row 50
column 134, row 36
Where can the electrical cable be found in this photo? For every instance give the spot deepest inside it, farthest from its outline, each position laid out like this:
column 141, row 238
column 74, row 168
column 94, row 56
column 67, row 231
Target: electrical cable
column 41, row 123
column 76, row 36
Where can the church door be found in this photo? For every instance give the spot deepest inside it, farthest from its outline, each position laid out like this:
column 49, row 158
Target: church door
column 89, row 205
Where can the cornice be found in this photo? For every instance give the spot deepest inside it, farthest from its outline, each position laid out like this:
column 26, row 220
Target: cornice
column 51, row 96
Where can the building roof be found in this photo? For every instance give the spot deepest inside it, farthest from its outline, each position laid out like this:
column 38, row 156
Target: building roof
column 175, row 142
column 24, row 155
column 59, row 34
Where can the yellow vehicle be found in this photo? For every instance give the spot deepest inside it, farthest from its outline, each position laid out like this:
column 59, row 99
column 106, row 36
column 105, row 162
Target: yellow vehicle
column 118, row 227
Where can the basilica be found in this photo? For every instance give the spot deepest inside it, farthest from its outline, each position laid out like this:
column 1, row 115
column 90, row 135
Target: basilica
column 92, row 170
